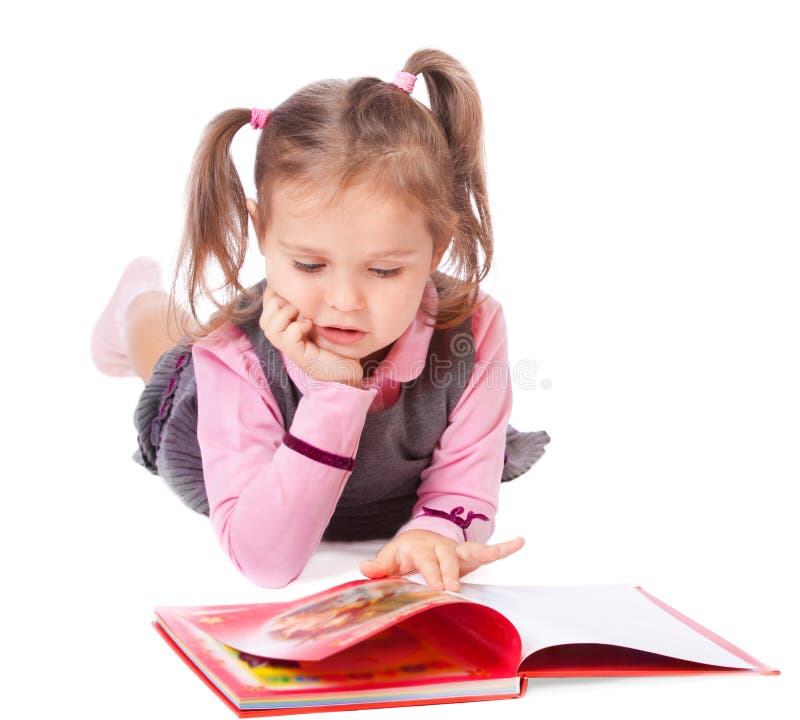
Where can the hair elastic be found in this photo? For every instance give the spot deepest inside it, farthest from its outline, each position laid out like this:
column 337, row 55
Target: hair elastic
column 259, row 118
column 404, row 80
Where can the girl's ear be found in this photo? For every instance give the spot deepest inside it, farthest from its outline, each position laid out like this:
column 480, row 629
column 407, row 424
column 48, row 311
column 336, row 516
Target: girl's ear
column 252, row 210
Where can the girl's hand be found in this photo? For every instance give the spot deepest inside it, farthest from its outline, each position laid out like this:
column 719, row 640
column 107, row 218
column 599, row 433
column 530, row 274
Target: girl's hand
column 287, row 330
column 440, row 560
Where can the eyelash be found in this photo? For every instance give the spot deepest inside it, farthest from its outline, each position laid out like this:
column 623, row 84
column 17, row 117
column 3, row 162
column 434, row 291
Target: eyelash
column 314, row 268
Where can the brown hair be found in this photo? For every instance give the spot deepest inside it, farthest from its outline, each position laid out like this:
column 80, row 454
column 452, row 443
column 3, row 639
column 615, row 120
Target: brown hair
column 328, row 135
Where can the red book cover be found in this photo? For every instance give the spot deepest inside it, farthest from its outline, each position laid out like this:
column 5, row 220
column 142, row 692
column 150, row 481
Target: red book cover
column 378, row 643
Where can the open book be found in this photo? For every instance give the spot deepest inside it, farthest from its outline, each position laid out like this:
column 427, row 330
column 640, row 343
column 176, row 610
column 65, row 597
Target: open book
column 378, row 643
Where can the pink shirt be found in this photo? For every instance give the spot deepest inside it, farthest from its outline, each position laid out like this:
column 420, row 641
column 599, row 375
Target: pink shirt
column 269, row 505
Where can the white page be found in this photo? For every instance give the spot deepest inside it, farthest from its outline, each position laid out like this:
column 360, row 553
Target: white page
column 610, row 614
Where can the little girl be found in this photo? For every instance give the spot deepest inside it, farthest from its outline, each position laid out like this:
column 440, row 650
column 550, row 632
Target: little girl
column 321, row 403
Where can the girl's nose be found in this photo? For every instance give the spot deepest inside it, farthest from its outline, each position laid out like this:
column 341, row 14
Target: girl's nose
column 344, row 294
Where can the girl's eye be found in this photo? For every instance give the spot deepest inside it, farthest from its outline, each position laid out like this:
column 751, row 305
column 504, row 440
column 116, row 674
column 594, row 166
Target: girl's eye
column 306, row 268
column 315, row 268
column 387, row 273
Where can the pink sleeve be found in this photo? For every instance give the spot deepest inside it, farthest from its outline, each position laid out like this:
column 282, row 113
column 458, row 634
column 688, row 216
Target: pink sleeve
column 469, row 457
column 268, row 503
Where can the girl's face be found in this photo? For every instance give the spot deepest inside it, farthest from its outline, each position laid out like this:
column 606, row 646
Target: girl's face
column 361, row 263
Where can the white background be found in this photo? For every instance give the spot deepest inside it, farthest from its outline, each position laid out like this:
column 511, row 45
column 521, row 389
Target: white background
column 643, row 173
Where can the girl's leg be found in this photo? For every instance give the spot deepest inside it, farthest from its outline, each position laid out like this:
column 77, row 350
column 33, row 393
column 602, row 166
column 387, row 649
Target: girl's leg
column 149, row 329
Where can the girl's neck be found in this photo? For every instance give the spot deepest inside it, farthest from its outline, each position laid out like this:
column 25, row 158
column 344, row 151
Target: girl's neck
column 372, row 361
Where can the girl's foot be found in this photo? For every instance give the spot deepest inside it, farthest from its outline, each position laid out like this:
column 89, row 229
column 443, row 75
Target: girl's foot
column 108, row 336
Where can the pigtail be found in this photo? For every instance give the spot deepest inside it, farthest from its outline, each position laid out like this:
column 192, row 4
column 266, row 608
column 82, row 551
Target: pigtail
column 455, row 101
column 216, row 226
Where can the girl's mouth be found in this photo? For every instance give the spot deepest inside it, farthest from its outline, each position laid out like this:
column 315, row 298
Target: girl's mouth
column 341, row 337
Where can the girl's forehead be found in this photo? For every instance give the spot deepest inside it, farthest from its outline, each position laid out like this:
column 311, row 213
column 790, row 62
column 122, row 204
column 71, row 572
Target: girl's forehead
column 308, row 198
column 357, row 201
column 359, row 219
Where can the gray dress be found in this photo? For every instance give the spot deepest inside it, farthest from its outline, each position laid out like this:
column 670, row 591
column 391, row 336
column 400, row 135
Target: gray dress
column 396, row 443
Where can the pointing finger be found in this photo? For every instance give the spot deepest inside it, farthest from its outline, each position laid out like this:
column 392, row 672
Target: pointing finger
column 474, row 554
column 510, row 546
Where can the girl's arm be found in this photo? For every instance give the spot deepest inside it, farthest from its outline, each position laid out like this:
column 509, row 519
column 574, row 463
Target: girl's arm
column 463, row 480
column 269, row 504
column 469, row 458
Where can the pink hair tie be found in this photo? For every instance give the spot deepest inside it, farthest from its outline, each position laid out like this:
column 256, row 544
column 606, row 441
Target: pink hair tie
column 404, row 80
column 258, row 118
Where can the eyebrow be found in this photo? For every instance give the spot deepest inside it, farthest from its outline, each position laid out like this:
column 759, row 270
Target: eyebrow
column 390, row 253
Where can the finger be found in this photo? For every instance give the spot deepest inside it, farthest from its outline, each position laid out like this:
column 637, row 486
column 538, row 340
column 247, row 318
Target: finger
column 386, row 562
column 472, row 555
column 272, row 298
column 373, row 569
column 277, row 316
column 495, row 551
column 270, row 294
column 427, row 564
column 513, row 545
column 283, row 315
column 272, row 301
column 297, row 330
column 448, row 564
column 271, row 305
column 504, row 549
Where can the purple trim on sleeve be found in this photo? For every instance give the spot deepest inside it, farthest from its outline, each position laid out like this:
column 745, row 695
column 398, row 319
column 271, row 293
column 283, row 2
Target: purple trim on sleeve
column 454, row 516
column 302, row 447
